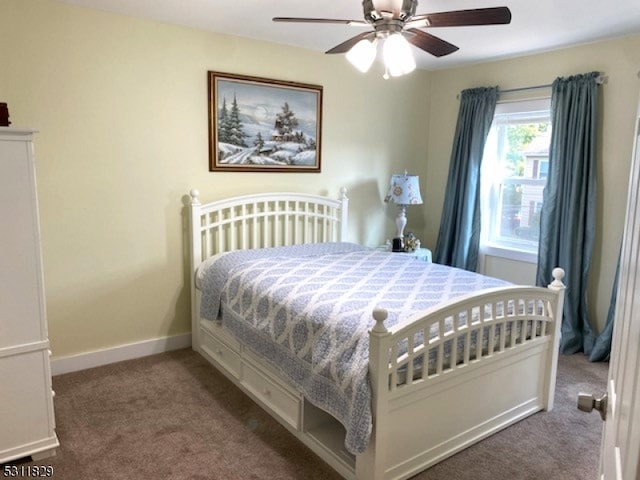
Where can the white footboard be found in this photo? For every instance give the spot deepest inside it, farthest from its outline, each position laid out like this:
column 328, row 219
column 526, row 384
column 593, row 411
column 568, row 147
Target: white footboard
column 460, row 373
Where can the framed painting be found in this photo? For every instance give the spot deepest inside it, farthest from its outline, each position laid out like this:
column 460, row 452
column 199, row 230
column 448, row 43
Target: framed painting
column 263, row 125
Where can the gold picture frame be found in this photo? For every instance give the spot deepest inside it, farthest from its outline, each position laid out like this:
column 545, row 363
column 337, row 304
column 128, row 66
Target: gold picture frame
column 263, row 125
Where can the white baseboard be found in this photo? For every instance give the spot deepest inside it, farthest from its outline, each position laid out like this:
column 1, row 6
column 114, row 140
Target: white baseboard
column 130, row 351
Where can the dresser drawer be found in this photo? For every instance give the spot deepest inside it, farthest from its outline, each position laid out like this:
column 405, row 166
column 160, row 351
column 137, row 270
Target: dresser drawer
column 221, row 354
column 277, row 398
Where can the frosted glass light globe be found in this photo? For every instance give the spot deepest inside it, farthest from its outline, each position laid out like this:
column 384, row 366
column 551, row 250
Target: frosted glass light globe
column 397, row 55
column 362, row 55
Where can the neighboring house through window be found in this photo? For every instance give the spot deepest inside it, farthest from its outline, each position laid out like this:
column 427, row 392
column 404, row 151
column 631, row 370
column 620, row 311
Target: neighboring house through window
column 514, row 171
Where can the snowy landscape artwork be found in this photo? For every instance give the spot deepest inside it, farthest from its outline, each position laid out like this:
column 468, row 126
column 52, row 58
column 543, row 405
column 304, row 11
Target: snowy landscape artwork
column 259, row 124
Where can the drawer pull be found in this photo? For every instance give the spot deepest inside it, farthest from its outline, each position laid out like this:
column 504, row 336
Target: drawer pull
column 219, row 352
column 266, row 392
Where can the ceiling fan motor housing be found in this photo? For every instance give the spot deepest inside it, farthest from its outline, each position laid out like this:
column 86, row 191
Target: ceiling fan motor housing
column 407, row 10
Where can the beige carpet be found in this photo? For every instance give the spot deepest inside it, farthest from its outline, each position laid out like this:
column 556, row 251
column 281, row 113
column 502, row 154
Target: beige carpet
column 173, row 416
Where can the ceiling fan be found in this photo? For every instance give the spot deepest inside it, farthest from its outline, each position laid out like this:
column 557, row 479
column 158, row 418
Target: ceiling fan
column 399, row 20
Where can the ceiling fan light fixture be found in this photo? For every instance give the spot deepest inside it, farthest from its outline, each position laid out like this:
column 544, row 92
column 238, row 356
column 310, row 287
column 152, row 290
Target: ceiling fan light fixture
column 394, row 23
column 397, row 55
column 362, row 55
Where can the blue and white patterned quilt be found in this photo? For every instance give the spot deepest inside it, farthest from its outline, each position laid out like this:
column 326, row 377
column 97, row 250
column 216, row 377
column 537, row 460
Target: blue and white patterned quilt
column 308, row 309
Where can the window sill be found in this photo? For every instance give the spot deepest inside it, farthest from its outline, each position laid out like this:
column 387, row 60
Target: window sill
column 509, row 253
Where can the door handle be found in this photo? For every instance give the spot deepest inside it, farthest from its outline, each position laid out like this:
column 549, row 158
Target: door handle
column 587, row 402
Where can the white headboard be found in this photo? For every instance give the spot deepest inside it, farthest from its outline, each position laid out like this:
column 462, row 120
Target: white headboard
column 265, row 220
column 262, row 220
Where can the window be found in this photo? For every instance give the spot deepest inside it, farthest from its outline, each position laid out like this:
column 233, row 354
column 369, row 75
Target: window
column 515, row 167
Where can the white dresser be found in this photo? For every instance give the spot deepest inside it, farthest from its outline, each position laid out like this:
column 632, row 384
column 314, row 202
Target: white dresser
column 27, row 423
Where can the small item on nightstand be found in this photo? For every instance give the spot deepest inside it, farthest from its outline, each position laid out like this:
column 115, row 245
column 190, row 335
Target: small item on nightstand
column 397, row 245
column 4, row 115
column 411, row 242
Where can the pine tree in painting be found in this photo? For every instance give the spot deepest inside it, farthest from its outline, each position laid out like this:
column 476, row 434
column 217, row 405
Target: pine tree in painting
column 223, row 123
column 236, row 133
column 286, row 123
column 258, row 142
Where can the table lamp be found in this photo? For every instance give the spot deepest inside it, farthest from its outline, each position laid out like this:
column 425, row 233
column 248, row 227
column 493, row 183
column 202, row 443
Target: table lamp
column 404, row 190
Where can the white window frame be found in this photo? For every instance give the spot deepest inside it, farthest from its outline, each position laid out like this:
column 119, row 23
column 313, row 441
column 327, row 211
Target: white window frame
column 534, row 110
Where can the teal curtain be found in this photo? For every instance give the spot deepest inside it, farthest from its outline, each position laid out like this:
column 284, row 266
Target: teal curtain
column 459, row 235
column 601, row 350
column 568, row 217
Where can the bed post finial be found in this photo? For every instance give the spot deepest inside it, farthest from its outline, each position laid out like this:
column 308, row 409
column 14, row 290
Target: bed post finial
column 380, row 315
column 344, row 215
column 558, row 275
column 194, row 193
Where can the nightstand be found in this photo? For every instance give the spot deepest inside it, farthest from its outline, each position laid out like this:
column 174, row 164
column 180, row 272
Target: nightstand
column 423, row 254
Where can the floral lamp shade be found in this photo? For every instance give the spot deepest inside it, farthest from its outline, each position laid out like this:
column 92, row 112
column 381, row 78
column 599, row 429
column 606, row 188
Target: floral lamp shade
column 404, row 190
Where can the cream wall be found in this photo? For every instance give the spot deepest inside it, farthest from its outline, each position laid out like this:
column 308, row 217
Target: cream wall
column 619, row 59
column 120, row 104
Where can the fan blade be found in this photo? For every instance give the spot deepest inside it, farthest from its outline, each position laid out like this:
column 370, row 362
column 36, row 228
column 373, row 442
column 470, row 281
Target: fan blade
column 346, row 46
column 462, row 18
column 355, row 23
column 430, row 44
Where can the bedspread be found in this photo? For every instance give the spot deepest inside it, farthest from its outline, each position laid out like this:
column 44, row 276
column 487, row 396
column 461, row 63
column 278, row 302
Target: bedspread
column 310, row 313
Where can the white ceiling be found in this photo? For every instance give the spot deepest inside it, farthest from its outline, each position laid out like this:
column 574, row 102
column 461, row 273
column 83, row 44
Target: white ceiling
column 538, row 25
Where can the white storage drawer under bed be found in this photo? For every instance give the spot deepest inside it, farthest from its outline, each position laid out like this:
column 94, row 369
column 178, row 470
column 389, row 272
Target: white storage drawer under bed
column 224, row 355
column 284, row 403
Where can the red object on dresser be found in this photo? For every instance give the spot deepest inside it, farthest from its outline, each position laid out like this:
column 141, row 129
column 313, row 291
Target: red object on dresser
column 4, row 115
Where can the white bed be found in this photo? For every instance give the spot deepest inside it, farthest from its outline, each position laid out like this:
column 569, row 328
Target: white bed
column 419, row 416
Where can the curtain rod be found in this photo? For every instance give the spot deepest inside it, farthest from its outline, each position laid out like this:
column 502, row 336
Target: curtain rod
column 521, row 89
column 600, row 80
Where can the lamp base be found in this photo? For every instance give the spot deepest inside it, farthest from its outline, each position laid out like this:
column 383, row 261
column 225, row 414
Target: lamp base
column 397, row 245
